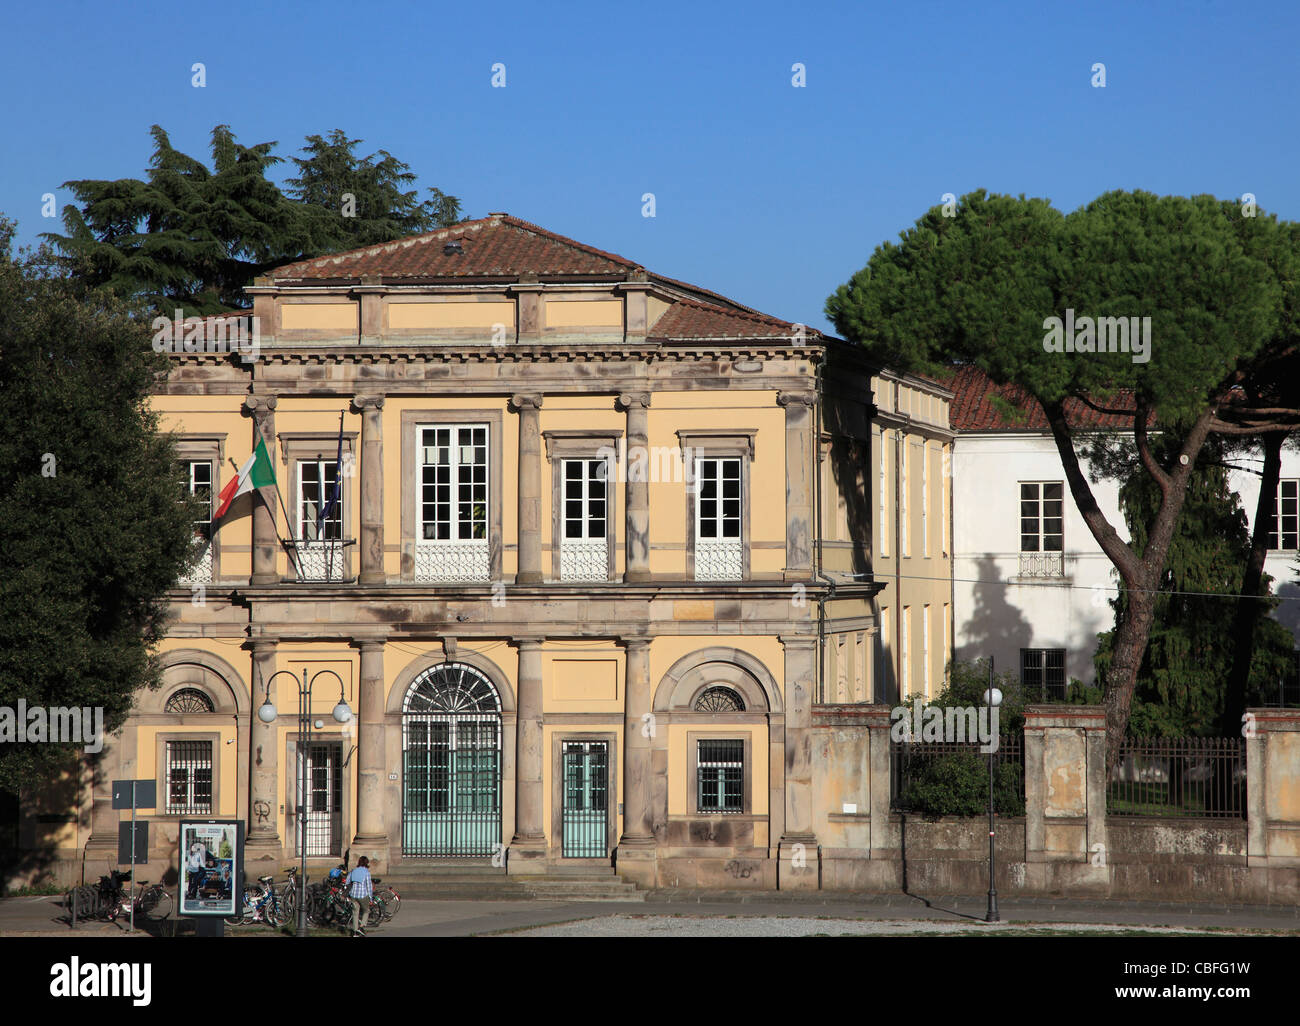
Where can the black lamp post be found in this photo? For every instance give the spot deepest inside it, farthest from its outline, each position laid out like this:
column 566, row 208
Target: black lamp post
column 992, row 699
column 266, row 713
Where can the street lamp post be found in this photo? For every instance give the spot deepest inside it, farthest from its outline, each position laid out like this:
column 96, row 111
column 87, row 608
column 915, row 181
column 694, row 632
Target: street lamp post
column 992, row 699
column 266, row 713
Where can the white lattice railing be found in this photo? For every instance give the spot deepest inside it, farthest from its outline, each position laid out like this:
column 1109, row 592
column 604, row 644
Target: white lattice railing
column 200, row 571
column 453, row 561
column 321, row 561
column 718, row 559
column 584, row 560
column 1042, row 564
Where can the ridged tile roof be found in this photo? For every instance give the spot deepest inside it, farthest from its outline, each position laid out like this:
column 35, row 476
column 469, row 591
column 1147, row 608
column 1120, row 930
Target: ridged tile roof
column 972, row 407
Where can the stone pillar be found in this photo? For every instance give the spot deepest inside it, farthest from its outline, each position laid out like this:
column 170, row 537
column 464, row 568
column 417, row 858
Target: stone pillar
column 1065, row 800
column 371, row 408
column 799, row 470
column 530, row 489
column 263, row 751
column 1273, row 793
column 637, row 847
column 884, row 835
column 372, row 836
column 797, row 869
column 265, row 542
column 101, row 847
column 528, row 846
column 637, row 495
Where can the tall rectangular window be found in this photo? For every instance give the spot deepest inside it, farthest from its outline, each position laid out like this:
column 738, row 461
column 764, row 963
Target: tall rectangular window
column 719, row 542
column 189, row 777
column 883, row 676
column 452, row 504
column 944, row 512
column 925, row 645
column 1284, row 531
column 904, row 549
column 320, row 513
column 883, row 489
column 720, row 771
column 584, row 550
column 925, row 501
column 199, row 483
column 1042, row 516
column 947, row 638
column 1042, row 673
column 907, row 651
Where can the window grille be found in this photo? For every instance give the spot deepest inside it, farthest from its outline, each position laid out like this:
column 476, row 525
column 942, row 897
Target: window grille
column 719, row 699
column 1042, row 673
column 720, row 771
column 189, row 700
column 189, row 778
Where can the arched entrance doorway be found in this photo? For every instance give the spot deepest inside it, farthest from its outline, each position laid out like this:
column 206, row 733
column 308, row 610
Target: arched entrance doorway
column 451, row 764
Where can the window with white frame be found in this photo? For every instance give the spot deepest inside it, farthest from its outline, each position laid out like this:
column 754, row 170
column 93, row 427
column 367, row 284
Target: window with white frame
column 452, row 540
column 904, row 549
column 946, row 483
column 907, row 650
column 320, row 520
column 925, row 503
column 584, row 541
column 719, row 539
column 1284, row 530
column 925, row 645
column 198, row 483
column 189, row 777
column 883, row 489
column 1042, row 528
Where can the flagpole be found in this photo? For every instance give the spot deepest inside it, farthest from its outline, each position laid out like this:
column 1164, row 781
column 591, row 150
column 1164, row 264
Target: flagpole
column 288, row 521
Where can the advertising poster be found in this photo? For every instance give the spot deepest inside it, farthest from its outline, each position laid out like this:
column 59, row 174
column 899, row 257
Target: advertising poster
column 210, row 861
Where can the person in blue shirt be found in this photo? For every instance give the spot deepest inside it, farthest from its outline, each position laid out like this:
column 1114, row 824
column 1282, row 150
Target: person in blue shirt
column 360, row 890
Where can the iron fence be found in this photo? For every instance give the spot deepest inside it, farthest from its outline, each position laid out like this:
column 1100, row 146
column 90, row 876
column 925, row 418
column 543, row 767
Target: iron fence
column 912, row 761
column 1185, row 776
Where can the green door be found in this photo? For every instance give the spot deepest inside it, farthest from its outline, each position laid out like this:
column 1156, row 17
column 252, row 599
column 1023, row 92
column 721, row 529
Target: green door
column 585, row 814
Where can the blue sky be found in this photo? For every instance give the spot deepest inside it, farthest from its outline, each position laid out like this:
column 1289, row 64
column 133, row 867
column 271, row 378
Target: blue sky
column 770, row 194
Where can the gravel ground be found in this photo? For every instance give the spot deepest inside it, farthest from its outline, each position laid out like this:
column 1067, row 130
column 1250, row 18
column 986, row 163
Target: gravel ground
column 807, row 926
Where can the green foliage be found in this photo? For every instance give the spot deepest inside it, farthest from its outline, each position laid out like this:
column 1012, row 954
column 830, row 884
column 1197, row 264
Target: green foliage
column 957, row 784
column 191, row 237
column 92, row 534
column 965, row 683
column 1182, row 682
column 381, row 208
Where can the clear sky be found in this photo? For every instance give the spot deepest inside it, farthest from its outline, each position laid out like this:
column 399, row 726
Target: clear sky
column 765, row 192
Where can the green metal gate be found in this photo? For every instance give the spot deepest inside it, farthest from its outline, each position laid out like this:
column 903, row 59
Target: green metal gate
column 451, row 764
column 585, row 813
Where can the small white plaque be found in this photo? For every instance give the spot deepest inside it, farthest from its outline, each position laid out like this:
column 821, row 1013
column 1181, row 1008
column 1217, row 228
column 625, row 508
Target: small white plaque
column 850, row 809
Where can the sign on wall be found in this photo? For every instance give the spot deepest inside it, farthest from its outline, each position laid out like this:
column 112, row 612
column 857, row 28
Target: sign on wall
column 212, row 866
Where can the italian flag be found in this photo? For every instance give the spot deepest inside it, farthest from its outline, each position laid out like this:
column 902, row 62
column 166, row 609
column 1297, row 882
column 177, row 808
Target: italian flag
column 257, row 472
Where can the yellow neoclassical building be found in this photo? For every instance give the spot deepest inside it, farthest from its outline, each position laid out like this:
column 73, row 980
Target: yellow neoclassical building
column 581, row 547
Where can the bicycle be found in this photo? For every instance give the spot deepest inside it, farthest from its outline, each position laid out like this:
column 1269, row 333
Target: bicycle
column 154, row 903
column 288, row 894
column 384, row 904
column 261, row 903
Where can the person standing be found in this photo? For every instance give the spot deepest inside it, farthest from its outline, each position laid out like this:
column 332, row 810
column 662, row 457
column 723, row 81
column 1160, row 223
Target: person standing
column 360, row 890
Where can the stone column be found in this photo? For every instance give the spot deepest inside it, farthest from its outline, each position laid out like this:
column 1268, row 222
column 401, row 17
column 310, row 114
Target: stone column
column 371, row 408
column 637, row 486
column 263, row 752
column 797, row 868
column 1273, row 792
column 636, row 848
column 372, row 837
column 530, row 489
column 528, row 846
column 262, row 409
column 799, row 472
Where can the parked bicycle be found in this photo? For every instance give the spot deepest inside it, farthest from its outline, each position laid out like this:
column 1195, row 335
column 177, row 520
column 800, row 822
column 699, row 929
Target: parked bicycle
column 113, row 897
column 384, row 904
column 261, row 904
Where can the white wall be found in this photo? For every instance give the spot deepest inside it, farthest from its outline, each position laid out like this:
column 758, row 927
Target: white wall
column 998, row 613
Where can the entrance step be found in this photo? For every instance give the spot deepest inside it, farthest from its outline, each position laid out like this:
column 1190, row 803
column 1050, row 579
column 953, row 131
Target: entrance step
column 452, row 880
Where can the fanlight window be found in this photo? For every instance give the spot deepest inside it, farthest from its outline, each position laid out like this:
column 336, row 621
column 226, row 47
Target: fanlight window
column 719, row 699
column 189, row 700
column 452, row 688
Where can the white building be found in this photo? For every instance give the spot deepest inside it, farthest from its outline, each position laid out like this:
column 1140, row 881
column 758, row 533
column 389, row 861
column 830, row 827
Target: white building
column 1031, row 585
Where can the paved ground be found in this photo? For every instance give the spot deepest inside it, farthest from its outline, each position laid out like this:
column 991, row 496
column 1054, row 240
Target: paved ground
column 755, row 914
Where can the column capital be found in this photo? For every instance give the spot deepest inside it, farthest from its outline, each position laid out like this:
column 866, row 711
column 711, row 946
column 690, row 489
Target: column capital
column 370, row 644
column 261, row 643
column 797, row 640
column 529, row 644
column 788, row 399
column 526, row 400
column 634, row 644
column 627, row 400
column 260, row 404
column 362, row 403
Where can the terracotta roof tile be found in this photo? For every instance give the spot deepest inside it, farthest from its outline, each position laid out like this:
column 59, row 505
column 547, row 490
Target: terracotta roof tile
column 687, row 319
column 495, row 246
column 972, row 407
